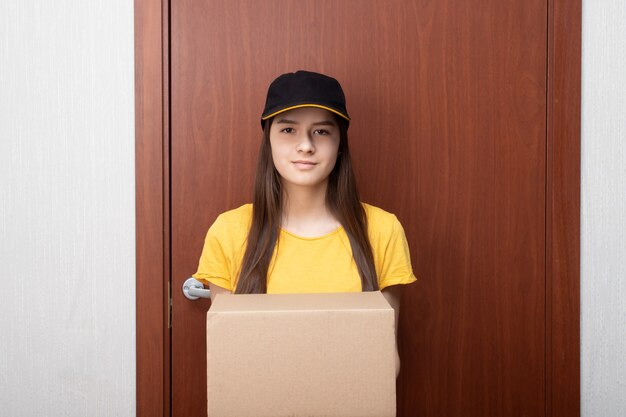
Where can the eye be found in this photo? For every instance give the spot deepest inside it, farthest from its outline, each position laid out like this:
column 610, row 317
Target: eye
column 322, row 132
column 287, row 130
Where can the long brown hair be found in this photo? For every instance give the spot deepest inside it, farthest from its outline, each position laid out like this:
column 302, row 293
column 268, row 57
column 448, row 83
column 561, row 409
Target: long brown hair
column 342, row 199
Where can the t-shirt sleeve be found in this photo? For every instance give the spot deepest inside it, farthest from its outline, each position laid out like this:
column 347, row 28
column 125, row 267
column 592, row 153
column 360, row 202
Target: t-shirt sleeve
column 214, row 262
column 396, row 263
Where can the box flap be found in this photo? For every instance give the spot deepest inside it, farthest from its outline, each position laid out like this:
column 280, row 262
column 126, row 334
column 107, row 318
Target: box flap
column 371, row 300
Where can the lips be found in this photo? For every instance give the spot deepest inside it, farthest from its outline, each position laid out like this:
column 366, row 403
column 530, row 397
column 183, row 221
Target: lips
column 304, row 165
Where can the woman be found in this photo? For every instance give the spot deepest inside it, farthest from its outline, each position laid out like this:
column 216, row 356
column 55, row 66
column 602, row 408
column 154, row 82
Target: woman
column 307, row 230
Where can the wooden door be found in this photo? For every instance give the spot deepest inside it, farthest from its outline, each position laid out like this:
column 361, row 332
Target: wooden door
column 448, row 100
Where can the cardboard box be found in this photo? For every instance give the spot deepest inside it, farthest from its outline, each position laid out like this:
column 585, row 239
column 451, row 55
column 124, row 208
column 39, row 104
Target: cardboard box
column 297, row 355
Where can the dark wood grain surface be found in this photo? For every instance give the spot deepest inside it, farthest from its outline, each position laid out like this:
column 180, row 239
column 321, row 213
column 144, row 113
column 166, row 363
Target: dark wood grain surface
column 562, row 188
column 152, row 221
column 563, row 209
column 446, row 135
column 448, row 101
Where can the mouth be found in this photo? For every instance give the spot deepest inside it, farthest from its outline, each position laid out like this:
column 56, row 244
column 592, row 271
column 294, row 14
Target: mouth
column 304, row 165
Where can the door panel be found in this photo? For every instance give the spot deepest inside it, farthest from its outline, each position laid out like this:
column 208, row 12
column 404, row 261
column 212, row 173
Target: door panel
column 449, row 133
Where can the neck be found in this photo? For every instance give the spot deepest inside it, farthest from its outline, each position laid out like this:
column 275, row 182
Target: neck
column 304, row 204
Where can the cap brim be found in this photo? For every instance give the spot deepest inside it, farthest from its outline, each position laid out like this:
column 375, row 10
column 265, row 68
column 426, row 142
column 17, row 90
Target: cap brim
column 305, row 105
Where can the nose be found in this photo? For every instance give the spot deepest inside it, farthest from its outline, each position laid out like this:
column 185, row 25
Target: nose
column 305, row 144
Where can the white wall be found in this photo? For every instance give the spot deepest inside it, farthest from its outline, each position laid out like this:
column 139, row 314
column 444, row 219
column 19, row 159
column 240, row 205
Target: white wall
column 67, row 229
column 603, row 209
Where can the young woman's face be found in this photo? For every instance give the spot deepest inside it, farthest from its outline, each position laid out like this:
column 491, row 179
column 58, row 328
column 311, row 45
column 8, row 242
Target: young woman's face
column 304, row 144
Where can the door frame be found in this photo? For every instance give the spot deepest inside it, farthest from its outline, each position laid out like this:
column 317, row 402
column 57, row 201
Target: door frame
column 152, row 196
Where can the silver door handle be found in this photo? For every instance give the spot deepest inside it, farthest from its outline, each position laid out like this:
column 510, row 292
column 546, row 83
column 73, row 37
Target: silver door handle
column 193, row 289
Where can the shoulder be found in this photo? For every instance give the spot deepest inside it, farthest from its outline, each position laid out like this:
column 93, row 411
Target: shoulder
column 234, row 220
column 382, row 226
column 238, row 215
column 379, row 219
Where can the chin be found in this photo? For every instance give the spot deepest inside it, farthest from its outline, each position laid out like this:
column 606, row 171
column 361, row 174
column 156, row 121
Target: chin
column 304, row 183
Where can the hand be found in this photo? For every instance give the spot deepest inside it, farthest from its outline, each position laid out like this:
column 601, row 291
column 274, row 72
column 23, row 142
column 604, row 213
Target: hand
column 397, row 363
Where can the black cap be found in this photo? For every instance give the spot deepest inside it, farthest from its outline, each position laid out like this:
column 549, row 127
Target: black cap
column 304, row 89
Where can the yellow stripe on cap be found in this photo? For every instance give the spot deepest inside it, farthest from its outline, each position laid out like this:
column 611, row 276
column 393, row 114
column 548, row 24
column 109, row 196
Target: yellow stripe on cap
column 306, row 105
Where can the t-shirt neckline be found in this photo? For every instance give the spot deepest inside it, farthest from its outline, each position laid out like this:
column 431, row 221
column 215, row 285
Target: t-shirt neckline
column 327, row 235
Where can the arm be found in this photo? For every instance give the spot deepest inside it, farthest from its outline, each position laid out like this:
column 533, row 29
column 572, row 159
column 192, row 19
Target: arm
column 392, row 295
column 215, row 289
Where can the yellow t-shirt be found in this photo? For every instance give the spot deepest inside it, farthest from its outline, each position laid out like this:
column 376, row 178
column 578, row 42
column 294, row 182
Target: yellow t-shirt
column 306, row 265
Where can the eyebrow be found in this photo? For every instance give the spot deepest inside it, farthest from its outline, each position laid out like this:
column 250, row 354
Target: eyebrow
column 322, row 123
